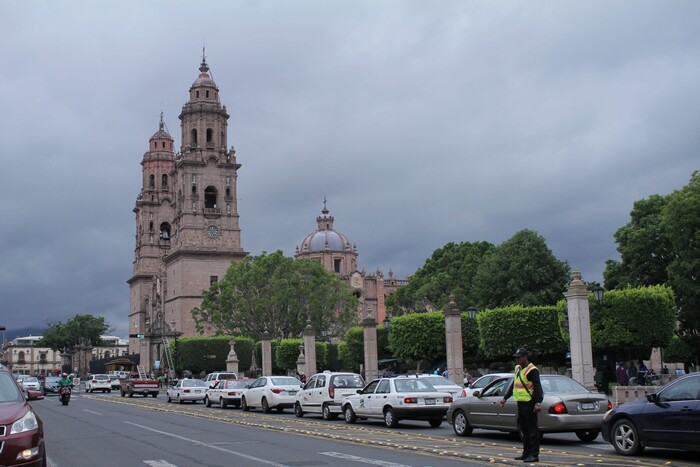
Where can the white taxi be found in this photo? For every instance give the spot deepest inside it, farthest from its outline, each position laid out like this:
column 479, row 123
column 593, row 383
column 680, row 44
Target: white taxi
column 323, row 393
column 98, row 383
column 270, row 392
column 398, row 398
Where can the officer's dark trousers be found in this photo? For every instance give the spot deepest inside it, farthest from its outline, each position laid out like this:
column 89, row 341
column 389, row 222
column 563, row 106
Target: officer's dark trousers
column 527, row 422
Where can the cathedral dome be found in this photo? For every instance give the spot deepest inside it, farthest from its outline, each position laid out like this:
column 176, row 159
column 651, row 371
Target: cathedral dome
column 325, row 238
column 204, row 79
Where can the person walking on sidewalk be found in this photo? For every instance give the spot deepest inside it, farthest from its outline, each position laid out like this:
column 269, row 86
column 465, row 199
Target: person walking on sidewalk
column 527, row 392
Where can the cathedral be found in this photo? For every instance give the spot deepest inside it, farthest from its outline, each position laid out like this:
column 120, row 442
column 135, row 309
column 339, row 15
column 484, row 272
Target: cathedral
column 187, row 228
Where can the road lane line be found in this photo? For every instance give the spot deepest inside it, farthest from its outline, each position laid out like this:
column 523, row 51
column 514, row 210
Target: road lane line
column 159, row 463
column 92, row 411
column 364, row 460
column 208, row 445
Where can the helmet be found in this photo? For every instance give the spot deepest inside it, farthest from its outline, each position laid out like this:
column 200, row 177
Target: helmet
column 65, row 374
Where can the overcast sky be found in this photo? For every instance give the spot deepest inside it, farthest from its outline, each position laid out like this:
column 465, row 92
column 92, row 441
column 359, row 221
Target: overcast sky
column 421, row 122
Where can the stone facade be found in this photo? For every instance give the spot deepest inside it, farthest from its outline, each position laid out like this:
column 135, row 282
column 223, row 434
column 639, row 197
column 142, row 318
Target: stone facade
column 187, row 227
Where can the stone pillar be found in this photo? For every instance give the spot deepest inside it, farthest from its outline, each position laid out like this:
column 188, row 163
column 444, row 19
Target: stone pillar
column 453, row 340
column 309, row 350
column 580, row 332
column 301, row 361
column 266, row 354
column 369, row 325
column 232, row 358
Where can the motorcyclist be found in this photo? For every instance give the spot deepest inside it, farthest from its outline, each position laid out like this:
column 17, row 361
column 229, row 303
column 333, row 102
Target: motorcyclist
column 64, row 380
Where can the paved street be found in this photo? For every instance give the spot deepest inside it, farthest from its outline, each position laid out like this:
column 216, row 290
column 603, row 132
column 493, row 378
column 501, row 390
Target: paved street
column 105, row 429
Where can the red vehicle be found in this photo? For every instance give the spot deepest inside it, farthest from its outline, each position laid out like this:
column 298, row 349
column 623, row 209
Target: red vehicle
column 21, row 430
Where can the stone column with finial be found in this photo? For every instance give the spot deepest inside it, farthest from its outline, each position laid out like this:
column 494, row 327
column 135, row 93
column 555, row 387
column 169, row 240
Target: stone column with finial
column 453, row 342
column 369, row 326
column 301, row 361
column 309, row 349
column 232, row 358
column 266, row 354
column 580, row 331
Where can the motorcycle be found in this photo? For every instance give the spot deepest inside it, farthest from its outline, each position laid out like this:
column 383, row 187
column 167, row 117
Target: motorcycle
column 64, row 393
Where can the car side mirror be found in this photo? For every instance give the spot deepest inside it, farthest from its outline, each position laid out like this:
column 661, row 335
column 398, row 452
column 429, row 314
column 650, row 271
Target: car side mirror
column 247, row 386
column 476, row 393
column 359, row 391
column 653, row 398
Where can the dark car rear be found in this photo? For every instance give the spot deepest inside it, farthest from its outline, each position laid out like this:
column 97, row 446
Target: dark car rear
column 51, row 385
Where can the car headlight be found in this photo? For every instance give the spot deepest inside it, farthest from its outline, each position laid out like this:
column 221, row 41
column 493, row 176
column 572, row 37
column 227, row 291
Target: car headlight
column 26, row 423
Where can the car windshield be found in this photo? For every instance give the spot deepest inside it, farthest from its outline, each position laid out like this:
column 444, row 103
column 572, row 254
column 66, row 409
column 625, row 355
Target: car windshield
column 113, row 377
column 193, row 383
column 101, row 377
column 30, row 380
column 438, row 381
column 233, row 384
column 561, row 385
column 285, row 381
column 348, row 381
column 9, row 392
column 413, row 385
column 226, row 376
column 51, row 379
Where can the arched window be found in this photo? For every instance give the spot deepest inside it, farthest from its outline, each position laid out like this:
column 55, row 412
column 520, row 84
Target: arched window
column 336, row 265
column 164, row 182
column 210, row 197
column 165, row 231
column 20, row 357
column 152, row 181
column 210, row 135
column 193, row 137
column 194, row 190
column 228, row 192
column 107, row 354
column 150, row 226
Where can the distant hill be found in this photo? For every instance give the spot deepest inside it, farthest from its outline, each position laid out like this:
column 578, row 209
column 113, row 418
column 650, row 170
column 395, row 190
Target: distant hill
column 11, row 334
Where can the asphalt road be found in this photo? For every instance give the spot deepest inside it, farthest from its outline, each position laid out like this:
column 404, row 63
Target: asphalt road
column 107, row 430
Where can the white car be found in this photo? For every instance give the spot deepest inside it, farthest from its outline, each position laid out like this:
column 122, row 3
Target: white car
column 30, row 382
column 98, row 383
column 323, row 393
column 271, row 391
column 440, row 383
column 227, row 392
column 397, row 398
column 115, row 381
column 192, row 390
column 213, row 378
column 482, row 382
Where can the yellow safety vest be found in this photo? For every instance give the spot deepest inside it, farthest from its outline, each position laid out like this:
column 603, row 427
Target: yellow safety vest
column 523, row 392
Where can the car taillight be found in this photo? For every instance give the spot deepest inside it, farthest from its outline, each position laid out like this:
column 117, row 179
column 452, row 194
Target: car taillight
column 331, row 392
column 232, row 393
column 276, row 390
column 447, row 400
column 464, row 392
column 610, row 405
column 186, row 391
column 558, row 408
column 410, row 400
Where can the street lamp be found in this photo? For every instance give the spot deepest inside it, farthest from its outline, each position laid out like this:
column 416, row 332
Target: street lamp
column 472, row 312
column 598, row 292
column 386, row 323
column 327, row 338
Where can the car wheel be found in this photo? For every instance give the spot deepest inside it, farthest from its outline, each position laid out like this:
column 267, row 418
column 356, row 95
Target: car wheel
column 264, row 405
column 461, row 425
column 180, row 399
column 327, row 414
column 168, row 399
column 625, row 438
column 155, row 394
column 349, row 414
column 390, row 419
column 222, row 403
column 131, row 393
column 298, row 411
column 587, row 435
column 435, row 422
column 244, row 406
column 207, row 401
column 109, row 391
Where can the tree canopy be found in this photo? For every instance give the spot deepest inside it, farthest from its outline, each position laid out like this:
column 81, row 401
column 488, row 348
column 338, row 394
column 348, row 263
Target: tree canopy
column 79, row 330
column 277, row 294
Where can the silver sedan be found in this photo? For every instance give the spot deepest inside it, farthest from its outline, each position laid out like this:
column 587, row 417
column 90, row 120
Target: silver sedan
column 192, row 390
column 567, row 407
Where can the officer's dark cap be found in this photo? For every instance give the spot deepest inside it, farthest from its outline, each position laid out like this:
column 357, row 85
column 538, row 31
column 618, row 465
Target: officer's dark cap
column 521, row 352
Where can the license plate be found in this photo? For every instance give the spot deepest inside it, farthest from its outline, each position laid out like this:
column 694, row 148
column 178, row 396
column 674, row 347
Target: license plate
column 197, row 391
column 430, row 402
column 291, row 393
column 588, row 406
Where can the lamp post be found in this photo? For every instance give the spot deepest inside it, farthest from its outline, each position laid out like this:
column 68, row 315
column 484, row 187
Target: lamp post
column 386, row 323
column 472, row 312
column 327, row 338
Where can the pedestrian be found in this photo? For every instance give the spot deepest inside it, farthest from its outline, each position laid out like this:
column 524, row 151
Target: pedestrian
column 642, row 374
column 527, row 392
column 632, row 374
column 444, row 373
column 621, row 374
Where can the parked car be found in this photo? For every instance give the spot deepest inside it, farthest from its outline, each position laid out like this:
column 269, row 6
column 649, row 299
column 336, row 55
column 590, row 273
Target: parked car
column 212, row 378
column 98, row 383
column 271, row 392
column 50, row 385
column 23, row 431
column 227, row 392
column 667, row 419
column 482, row 382
column 192, row 390
column 31, row 382
column 114, row 380
column 440, row 383
column 567, row 407
column 397, row 398
column 323, row 393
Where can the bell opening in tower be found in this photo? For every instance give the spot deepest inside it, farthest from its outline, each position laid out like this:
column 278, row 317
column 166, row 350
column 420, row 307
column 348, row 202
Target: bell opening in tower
column 210, row 198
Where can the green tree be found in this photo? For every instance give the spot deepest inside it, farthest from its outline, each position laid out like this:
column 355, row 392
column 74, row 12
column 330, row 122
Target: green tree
column 681, row 223
column 521, row 270
column 645, row 249
column 78, row 330
column 277, row 294
column 450, row 270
